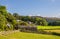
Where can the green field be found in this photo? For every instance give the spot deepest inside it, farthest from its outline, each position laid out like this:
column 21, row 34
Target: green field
column 49, row 27
column 22, row 35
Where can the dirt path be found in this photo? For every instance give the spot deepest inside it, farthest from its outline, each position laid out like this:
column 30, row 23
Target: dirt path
column 5, row 33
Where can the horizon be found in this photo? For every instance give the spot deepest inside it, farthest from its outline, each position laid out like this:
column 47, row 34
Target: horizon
column 44, row 8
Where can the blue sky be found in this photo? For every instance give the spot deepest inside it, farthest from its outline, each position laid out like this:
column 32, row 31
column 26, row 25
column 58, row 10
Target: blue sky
column 50, row 8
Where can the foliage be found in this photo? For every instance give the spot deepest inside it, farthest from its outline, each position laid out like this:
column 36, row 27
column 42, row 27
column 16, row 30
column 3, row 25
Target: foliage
column 34, row 20
column 6, row 18
column 23, row 23
column 3, row 10
column 11, row 19
column 55, row 23
column 2, row 22
column 41, row 21
column 17, row 16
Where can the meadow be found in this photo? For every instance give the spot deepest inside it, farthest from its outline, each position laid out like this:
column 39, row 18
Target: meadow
column 49, row 27
column 23, row 35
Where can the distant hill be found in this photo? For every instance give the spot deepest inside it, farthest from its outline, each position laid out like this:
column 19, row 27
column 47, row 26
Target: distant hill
column 52, row 19
column 49, row 19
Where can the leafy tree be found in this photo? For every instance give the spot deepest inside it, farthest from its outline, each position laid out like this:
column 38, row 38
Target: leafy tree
column 11, row 19
column 2, row 22
column 8, row 17
column 41, row 21
column 16, row 16
column 45, row 23
column 3, row 10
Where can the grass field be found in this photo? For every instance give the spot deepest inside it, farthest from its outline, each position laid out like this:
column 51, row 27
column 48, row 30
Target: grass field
column 49, row 27
column 22, row 35
column 57, row 31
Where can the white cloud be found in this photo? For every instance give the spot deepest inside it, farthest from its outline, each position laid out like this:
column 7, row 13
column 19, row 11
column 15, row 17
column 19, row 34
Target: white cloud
column 57, row 15
column 38, row 15
column 34, row 15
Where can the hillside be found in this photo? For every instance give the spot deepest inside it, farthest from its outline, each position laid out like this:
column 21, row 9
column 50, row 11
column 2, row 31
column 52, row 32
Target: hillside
column 52, row 19
column 22, row 35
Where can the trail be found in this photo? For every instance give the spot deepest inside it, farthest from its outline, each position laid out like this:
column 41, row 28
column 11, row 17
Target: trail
column 5, row 33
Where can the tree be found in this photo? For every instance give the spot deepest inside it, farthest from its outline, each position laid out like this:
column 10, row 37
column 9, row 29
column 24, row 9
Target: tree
column 41, row 21
column 56, row 23
column 16, row 16
column 45, row 23
column 11, row 19
column 3, row 10
column 3, row 22
column 8, row 16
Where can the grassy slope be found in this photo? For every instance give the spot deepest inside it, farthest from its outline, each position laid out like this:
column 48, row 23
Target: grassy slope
column 48, row 27
column 22, row 35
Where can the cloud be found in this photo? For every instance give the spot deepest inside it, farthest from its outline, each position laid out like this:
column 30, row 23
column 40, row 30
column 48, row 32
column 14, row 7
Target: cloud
column 38, row 15
column 34, row 15
column 56, row 15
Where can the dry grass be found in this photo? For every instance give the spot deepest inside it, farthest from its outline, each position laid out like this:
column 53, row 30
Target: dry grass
column 57, row 31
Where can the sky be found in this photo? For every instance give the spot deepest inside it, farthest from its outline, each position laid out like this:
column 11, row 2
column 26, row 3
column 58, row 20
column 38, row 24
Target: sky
column 45, row 8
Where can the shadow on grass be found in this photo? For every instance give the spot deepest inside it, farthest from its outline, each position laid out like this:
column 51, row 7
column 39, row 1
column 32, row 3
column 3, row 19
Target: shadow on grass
column 54, row 33
column 41, row 32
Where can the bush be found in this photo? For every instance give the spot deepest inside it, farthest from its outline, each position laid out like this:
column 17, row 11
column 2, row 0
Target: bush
column 23, row 23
